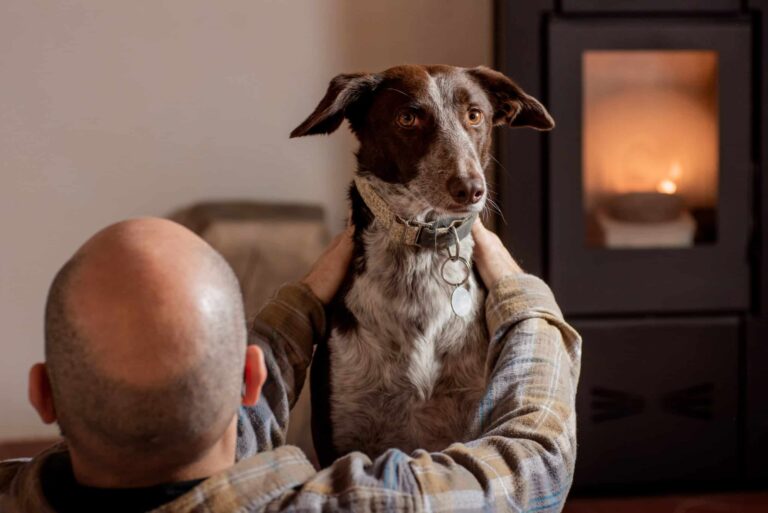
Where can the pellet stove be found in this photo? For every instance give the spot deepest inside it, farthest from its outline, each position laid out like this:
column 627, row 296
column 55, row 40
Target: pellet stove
column 645, row 209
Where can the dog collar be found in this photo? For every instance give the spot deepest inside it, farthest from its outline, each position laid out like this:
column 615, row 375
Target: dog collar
column 439, row 234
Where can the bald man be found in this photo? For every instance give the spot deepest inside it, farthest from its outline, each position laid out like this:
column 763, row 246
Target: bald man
column 166, row 405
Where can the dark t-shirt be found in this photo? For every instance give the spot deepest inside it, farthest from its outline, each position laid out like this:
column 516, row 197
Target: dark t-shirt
column 66, row 495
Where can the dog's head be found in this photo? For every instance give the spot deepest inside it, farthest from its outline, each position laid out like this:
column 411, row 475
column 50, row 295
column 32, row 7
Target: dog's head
column 426, row 130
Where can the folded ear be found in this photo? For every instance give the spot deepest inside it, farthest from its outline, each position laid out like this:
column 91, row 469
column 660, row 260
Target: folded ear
column 511, row 104
column 343, row 93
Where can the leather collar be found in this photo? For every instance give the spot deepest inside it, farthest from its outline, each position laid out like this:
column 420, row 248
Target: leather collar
column 439, row 234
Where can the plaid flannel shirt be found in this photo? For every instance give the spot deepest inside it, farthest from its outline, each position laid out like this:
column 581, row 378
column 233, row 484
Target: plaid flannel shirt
column 522, row 462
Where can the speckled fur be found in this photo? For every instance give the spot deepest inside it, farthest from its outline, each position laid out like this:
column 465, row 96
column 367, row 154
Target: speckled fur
column 409, row 372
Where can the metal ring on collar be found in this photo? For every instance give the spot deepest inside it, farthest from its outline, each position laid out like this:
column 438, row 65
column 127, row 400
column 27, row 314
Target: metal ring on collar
column 457, row 255
column 456, row 238
column 467, row 267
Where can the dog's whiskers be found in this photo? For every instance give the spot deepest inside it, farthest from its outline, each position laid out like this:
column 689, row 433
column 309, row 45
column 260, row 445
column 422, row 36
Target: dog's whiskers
column 491, row 206
column 500, row 165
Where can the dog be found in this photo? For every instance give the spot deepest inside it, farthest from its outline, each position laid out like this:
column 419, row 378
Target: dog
column 404, row 363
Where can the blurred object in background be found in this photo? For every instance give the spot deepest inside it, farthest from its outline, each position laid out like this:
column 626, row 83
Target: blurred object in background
column 267, row 245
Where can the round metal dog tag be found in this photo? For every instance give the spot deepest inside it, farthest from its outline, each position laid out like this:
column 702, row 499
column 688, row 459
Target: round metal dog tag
column 461, row 301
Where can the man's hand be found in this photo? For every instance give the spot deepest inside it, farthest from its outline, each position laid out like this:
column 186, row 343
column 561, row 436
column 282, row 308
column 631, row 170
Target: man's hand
column 326, row 274
column 492, row 258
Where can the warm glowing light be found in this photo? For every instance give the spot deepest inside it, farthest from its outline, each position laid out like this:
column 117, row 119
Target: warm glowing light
column 667, row 186
column 650, row 123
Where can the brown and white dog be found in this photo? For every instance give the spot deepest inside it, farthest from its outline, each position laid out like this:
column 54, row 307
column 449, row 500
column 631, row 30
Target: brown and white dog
column 404, row 365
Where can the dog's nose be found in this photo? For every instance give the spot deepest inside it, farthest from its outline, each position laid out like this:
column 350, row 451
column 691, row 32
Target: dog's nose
column 465, row 191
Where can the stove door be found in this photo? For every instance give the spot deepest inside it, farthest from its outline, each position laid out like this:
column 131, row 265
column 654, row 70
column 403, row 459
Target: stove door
column 657, row 403
column 649, row 165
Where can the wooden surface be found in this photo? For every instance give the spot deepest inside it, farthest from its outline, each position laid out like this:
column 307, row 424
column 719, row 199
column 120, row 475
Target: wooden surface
column 719, row 503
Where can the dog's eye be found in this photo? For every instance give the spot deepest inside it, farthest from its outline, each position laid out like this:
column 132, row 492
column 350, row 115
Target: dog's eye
column 474, row 117
column 407, row 119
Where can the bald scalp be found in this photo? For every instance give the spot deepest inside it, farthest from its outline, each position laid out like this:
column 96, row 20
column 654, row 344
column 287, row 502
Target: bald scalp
column 145, row 356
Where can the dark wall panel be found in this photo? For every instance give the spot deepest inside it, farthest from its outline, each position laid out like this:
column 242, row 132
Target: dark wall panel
column 520, row 178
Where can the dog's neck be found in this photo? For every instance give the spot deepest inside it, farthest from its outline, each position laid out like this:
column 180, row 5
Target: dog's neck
column 391, row 263
column 404, row 217
column 399, row 200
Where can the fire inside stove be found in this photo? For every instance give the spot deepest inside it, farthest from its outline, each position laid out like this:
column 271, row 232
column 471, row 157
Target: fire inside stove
column 650, row 148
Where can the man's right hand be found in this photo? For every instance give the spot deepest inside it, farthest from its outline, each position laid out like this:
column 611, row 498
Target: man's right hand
column 328, row 271
column 491, row 257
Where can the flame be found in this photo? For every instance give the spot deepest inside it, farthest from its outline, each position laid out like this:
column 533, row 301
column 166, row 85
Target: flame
column 669, row 185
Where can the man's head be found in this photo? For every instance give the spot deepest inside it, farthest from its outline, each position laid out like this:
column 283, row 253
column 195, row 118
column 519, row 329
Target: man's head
column 427, row 130
column 145, row 344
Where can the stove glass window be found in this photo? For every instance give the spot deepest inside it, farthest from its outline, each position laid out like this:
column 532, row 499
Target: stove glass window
column 650, row 148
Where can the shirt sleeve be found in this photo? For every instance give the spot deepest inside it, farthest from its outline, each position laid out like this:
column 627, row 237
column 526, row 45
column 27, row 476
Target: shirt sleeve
column 286, row 329
column 524, row 458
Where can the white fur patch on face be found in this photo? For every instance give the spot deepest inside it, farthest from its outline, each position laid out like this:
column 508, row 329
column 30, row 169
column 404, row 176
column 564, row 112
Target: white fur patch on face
column 452, row 145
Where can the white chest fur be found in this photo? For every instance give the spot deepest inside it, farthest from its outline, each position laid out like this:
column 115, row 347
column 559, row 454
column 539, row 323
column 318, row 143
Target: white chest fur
column 410, row 374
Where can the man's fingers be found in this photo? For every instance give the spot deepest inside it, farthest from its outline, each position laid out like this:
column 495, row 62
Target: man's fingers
column 477, row 228
column 492, row 258
column 345, row 236
column 482, row 236
column 328, row 271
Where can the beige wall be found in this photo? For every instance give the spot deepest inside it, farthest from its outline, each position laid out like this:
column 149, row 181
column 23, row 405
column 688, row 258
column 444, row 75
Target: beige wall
column 116, row 109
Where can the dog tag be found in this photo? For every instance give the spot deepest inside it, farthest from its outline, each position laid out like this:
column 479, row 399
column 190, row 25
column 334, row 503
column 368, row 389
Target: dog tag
column 461, row 301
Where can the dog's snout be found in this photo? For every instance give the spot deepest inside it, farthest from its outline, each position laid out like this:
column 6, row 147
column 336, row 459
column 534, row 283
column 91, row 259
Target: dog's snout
column 467, row 190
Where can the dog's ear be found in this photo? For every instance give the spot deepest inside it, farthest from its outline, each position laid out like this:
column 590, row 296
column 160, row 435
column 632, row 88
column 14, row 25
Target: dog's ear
column 343, row 93
column 512, row 106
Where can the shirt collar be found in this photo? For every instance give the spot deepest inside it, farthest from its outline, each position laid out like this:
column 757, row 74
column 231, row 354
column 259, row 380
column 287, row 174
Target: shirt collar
column 250, row 482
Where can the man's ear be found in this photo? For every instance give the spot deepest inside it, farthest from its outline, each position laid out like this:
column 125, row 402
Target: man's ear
column 255, row 375
column 512, row 106
column 41, row 394
column 343, row 92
